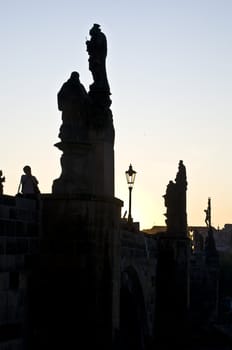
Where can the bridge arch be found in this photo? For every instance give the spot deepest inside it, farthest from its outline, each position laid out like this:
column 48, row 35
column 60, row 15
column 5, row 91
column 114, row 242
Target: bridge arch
column 133, row 323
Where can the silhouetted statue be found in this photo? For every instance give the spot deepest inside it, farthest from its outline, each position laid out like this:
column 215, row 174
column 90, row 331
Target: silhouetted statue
column 181, row 179
column 208, row 214
column 210, row 246
column 97, row 50
column 2, row 179
column 71, row 93
column 73, row 102
column 170, row 196
column 175, row 201
column 99, row 90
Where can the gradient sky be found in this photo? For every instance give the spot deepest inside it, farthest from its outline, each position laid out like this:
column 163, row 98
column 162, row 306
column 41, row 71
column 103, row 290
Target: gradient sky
column 169, row 67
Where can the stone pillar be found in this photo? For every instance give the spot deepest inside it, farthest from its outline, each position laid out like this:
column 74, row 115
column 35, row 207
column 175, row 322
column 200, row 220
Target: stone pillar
column 74, row 287
column 173, row 288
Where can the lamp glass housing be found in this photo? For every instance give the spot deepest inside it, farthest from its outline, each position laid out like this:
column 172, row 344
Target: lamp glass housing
column 130, row 176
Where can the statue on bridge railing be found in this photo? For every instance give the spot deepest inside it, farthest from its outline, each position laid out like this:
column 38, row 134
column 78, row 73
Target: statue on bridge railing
column 175, row 201
column 87, row 130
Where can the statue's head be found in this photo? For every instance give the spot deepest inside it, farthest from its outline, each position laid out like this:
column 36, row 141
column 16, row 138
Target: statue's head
column 95, row 29
column 75, row 76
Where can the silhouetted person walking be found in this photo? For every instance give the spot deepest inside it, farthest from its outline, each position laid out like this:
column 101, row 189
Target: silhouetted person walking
column 28, row 183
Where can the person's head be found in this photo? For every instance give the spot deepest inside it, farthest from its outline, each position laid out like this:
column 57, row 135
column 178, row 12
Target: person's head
column 27, row 170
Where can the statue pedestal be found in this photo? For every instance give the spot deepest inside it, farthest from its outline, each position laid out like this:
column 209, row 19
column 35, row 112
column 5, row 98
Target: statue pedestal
column 87, row 167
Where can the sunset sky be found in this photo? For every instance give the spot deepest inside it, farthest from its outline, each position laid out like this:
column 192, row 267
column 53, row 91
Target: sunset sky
column 169, row 67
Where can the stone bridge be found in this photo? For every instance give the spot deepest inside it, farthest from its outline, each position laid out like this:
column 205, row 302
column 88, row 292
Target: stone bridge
column 49, row 273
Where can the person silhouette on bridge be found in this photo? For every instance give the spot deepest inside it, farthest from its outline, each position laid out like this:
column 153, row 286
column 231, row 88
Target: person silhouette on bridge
column 28, row 183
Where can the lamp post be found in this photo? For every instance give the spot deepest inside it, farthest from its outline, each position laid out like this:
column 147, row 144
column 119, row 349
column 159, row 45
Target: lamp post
column 130, row 177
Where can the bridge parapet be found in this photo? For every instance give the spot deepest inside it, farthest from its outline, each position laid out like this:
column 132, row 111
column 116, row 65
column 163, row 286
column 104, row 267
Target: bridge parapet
column 18, row 242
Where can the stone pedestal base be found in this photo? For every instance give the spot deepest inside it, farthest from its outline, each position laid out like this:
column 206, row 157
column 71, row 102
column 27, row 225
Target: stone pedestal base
column 74, row 287
column 86, row 168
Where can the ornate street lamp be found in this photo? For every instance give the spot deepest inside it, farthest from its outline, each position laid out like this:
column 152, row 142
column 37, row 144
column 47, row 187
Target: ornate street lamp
column 130, row 178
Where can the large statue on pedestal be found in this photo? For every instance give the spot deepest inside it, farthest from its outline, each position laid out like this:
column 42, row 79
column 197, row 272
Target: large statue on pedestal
column 87, row 131
column 175, row 201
